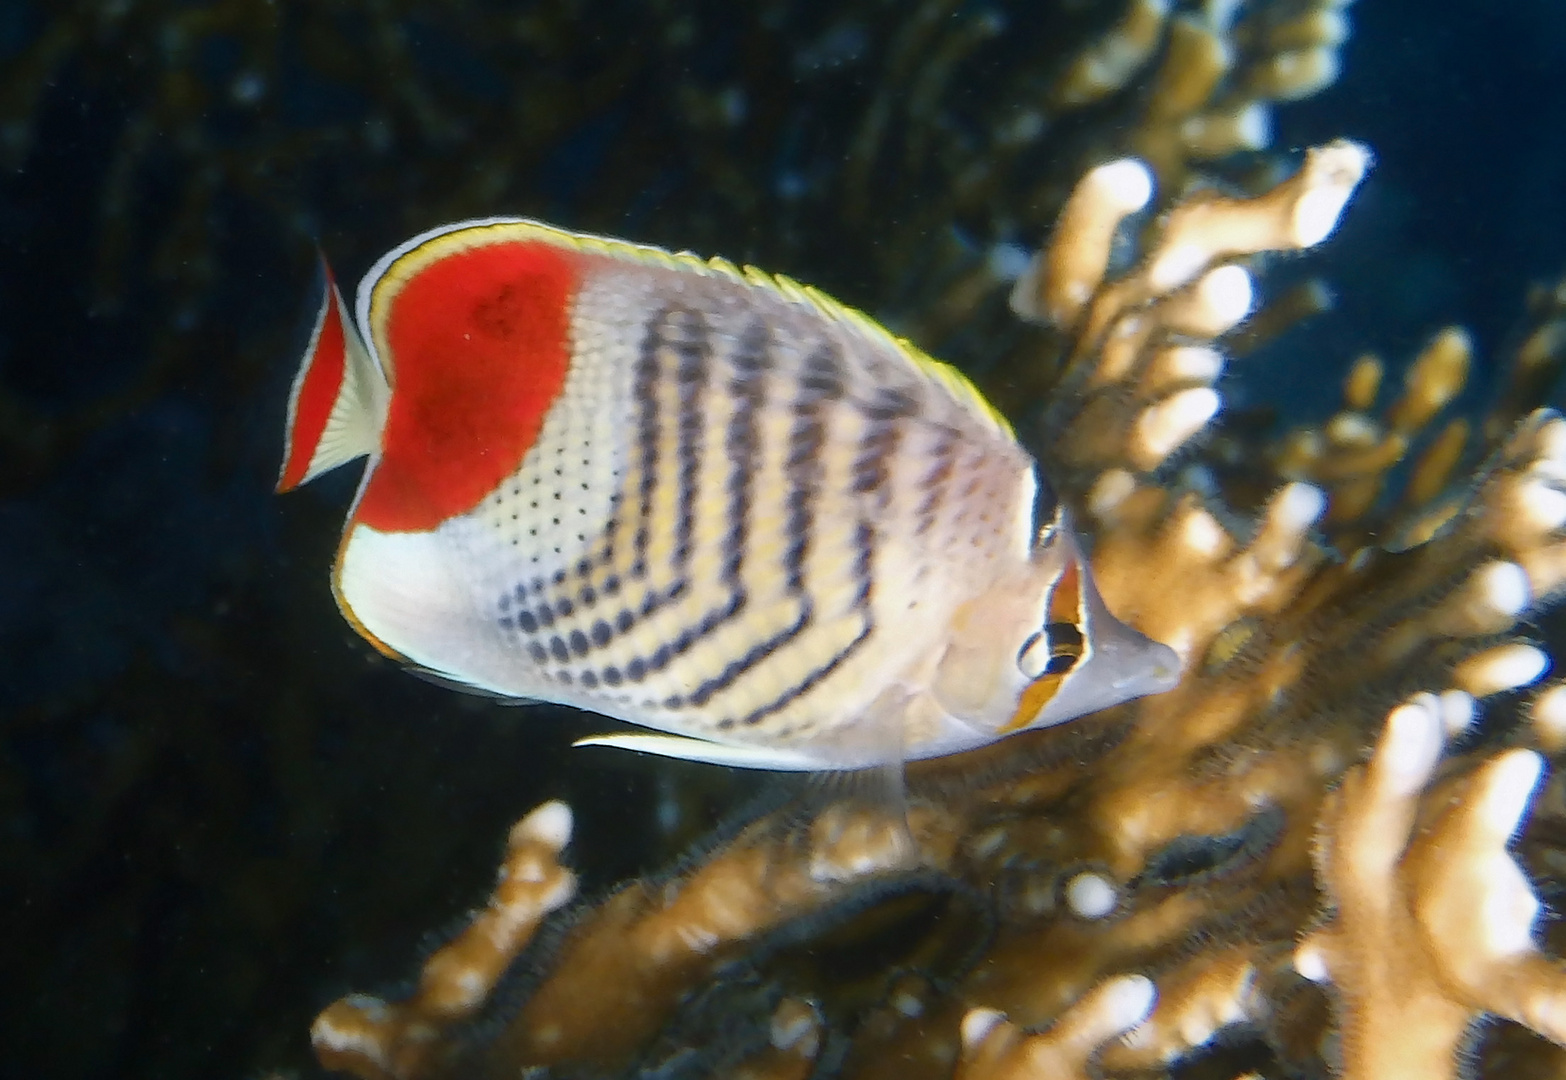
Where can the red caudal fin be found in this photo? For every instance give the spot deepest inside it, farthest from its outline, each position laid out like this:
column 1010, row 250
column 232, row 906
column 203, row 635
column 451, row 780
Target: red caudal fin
column 337, row 407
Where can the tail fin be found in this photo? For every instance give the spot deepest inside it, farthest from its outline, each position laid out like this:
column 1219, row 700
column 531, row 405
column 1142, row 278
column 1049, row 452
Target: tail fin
column 338, row 404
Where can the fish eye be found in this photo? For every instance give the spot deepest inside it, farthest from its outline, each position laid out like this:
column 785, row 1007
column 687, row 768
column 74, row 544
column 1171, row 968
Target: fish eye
column 1060, row 664
column 1046, row 659
column 1054, row 650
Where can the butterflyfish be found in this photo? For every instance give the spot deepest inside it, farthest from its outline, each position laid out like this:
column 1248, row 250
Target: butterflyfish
column 710, row 502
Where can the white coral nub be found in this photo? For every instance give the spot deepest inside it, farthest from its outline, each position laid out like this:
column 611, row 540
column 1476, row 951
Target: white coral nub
column 1125, row 185
column 1504, row 587
column 549, row 824
column 1091, row 896
column 1549, row 718
column 1410, row 747
column 1544, row 505
column 1164, row 427
column 1291, row 514
column 1508, row 906
column 1335, row 171
column 1503, row 668
column 995, row 1049
column 1227, row 293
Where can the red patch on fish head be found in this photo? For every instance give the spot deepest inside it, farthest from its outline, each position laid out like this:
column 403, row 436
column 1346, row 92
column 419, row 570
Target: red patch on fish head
column 480, row 343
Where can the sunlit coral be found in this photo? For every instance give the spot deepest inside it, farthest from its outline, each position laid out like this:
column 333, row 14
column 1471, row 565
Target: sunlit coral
column 994, row 1049
column 1428, row 931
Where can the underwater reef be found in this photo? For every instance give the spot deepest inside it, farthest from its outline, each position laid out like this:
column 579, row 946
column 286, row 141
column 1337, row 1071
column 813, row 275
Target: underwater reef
column 1335, row 849
column 1297, row 859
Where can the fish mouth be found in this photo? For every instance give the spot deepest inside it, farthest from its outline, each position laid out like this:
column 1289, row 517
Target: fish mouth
column 1120, row 663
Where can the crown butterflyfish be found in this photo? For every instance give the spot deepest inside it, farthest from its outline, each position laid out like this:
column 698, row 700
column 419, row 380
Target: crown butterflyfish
column 710, row 502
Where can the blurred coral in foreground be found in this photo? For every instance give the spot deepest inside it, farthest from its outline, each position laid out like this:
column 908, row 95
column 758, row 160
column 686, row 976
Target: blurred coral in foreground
column 1296, row 862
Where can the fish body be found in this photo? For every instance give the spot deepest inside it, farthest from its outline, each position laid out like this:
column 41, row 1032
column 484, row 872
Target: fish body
column 709, row 502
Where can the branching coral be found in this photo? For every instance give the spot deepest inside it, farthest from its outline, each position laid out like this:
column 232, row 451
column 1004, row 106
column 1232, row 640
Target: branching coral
column 1428, row 931
column 994, row 1049
column 1135, row 886
column 365, row 1033
column 1212, row 74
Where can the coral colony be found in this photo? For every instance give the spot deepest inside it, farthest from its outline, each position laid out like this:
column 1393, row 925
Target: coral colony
column 1296, row 862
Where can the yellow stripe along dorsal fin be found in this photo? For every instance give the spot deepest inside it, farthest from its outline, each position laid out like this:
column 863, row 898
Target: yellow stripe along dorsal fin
column 856, row 322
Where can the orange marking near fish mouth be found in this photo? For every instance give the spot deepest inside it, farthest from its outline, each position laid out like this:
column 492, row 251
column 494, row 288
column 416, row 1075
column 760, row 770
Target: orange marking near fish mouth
column 1032, row 702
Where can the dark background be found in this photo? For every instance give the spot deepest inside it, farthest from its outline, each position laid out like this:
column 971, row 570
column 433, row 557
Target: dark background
column 218, row 809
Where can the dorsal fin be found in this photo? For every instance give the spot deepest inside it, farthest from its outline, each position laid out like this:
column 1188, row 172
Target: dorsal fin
column 337, row 407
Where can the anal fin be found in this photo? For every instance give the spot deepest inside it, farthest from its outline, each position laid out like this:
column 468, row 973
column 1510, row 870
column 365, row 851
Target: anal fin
column 711, row 753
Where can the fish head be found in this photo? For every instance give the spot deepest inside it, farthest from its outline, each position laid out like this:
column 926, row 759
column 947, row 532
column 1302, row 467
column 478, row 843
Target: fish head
column 1077, row 657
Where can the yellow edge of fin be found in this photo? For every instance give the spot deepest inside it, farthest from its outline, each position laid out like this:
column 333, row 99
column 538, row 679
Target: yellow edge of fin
column 348, row 614
column 452, row 237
